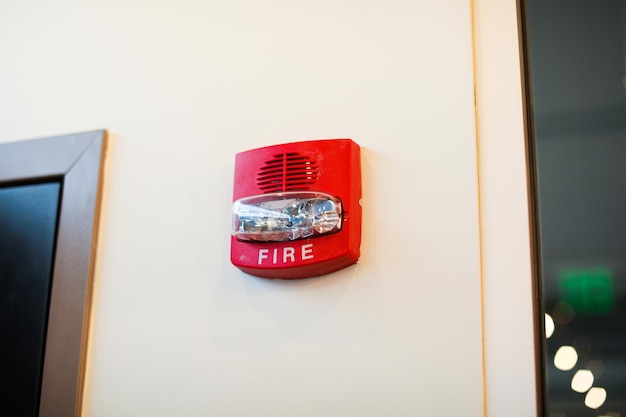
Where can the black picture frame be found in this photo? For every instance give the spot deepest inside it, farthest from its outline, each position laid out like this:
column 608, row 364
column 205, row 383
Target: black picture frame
column 76, row 160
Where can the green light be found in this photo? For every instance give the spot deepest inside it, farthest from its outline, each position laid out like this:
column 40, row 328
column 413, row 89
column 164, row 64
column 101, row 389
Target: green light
column 587, row 290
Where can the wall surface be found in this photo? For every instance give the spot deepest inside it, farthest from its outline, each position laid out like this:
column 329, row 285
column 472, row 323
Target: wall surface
column 507, row 273
column 184, row 85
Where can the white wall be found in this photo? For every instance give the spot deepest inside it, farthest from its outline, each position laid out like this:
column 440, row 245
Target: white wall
column 184, row 85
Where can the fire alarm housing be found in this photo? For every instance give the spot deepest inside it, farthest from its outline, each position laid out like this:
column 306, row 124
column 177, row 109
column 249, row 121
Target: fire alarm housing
column 296, row 209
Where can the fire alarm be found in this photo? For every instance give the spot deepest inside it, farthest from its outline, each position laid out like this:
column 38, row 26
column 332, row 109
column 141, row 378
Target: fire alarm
column 297, row 209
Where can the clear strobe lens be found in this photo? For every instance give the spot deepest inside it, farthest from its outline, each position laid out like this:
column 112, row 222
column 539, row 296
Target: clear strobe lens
column 286, row 216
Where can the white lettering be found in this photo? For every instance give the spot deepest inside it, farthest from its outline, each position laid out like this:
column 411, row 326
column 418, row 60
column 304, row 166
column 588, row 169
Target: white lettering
column 306, row 250
column 263, row 255
column 289, row 253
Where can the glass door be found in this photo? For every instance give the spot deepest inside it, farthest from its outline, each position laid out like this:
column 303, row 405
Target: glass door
column 576, row 67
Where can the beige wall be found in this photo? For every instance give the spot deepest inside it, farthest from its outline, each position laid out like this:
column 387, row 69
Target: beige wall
column 184, row 85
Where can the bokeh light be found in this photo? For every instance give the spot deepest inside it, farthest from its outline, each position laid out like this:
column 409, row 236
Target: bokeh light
column 565, row 358
column 595, row 397
column 582, row 380
column 549, row 326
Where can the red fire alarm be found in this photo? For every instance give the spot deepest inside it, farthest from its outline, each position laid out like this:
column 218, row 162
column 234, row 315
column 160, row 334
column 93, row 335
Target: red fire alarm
column 296, row 209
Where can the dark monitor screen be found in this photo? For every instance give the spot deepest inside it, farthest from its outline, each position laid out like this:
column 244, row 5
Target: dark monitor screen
column 28, row 223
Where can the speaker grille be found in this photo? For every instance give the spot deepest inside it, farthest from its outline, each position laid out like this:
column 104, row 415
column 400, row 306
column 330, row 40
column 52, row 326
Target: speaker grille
column 287, row 172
